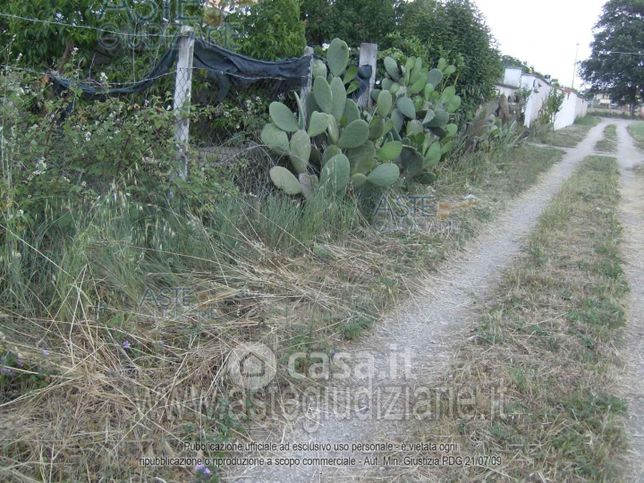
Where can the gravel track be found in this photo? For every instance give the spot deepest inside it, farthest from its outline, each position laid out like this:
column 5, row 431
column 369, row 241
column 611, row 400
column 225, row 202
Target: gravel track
column 632, row 219
column 419, row 336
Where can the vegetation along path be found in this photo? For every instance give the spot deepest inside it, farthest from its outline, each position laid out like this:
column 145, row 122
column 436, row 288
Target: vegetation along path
column 632, row 218
column 409, row 349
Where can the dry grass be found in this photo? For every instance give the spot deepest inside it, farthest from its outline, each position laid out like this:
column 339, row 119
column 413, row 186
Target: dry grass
column 549, row 339
column 91, row 391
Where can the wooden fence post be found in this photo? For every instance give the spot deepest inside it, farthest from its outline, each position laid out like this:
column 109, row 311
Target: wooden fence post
column 306, row 88
column 368, row 56
column 182, row 98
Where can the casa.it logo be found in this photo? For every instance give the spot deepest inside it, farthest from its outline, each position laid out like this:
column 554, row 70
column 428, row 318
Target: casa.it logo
column 252, row 366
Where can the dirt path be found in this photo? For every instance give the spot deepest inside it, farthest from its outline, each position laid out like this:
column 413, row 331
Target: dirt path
column 632, row 219
column 409, row 347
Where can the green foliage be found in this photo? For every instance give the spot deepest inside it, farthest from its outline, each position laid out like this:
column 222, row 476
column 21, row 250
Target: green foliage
column 46, row 44
column 397, row 45
column 317, row 15
column 551, row 107
column 62, row 145
column 335, row 138
column 355, row 21
column 407, row 131
column 270, row 29
column 456, row 30
column 105, row 44
column 615, row 65
column 422, row 107
column 233, row 119
column 63, row 152
column 99, row 32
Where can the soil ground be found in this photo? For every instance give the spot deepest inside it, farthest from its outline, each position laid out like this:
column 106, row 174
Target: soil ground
column 416, row 342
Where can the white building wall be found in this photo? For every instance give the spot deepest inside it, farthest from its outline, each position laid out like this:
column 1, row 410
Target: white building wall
column 508, row 91
column 512, row 77
column 573, row 106
column 582, row 107
column 540, row 91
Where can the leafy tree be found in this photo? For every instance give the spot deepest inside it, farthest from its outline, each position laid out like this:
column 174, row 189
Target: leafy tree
column 456, row 30
column 271, row 29
column 509, row 61
column 318, row 18
column 616, row 65
column 354, row 21
column 357, row 21
column 47, row 44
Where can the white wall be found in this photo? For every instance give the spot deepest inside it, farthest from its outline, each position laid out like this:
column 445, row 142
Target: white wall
column 573, row 106
column 540, row 91
column 508, row 91
column 512, row 77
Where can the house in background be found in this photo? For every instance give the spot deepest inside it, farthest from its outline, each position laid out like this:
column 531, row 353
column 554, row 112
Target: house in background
column 601, row 101
column 539, row 87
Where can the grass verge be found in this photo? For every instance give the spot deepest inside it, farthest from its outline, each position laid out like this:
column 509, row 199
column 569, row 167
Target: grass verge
column 608, row 144
column 545, row 350
column 569, row 136
column 120, row 352
column 636, row 130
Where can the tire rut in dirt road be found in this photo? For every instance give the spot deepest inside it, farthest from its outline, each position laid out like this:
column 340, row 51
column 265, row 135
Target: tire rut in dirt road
column 411, row 345
column 632, row 219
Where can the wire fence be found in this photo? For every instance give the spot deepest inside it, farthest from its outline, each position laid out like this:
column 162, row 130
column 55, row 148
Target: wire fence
column 221, row 99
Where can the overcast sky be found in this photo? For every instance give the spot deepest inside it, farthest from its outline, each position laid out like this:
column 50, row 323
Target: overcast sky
column 544, row 33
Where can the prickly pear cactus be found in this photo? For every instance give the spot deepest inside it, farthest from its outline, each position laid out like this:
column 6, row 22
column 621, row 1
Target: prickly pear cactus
column 420, row 106
column 331, row 135
column 405, row 134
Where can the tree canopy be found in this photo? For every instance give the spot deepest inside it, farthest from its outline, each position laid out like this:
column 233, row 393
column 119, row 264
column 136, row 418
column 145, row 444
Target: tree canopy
column 271, row 29
column 354, row 21
column 456, row 30
column 616, row 65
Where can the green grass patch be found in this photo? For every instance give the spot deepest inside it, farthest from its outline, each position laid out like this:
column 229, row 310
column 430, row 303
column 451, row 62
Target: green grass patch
column 547, row 339
column 569, row 136
column 608, row 144
column 636, row 129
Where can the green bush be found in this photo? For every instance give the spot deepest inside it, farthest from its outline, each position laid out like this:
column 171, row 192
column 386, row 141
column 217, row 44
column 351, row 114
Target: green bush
column 334, row 144
column 456, row 30
column 270, row 29
column 355, row 21
column 62, row 156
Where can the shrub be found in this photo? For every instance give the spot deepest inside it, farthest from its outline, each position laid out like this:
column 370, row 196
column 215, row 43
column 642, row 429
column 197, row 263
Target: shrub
column 454, row 28
column 270, row 29
column 334, row 144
